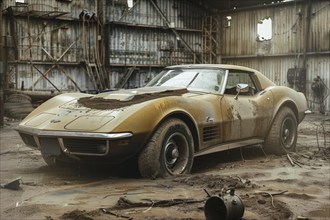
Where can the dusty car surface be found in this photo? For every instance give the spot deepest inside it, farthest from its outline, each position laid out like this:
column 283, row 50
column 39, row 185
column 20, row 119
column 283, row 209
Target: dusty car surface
column 184, row 112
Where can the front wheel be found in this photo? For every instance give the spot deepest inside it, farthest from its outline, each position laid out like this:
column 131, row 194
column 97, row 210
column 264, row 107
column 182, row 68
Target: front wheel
column 169, row 151
column 282, row 136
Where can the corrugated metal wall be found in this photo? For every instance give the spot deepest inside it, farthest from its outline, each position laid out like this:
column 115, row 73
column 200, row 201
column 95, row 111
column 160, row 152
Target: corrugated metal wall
column 57, row 77
column 140, row 36
column 289, row 22
column 286, row 48
column 131, row 46
column 178, row 12
column 72, row 7
column 49, row 34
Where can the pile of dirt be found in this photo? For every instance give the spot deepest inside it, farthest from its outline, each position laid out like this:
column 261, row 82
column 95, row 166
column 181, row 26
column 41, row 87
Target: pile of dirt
column 102, row 104
column 80, row 215
column 266, row 207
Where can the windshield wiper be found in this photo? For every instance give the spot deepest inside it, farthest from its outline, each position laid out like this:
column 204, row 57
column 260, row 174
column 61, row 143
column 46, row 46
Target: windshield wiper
column 193, row 79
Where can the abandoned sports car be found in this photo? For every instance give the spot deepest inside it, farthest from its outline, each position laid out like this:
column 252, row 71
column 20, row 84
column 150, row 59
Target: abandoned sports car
column 184, row 112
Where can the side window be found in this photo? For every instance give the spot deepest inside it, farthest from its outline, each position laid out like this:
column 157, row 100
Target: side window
column 236, row 77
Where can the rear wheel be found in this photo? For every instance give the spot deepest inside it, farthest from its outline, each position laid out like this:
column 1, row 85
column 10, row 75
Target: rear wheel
column 282, row 136
column 169, row 151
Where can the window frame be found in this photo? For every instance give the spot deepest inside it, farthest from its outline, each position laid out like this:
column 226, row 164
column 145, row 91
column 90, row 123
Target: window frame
column 252, row 77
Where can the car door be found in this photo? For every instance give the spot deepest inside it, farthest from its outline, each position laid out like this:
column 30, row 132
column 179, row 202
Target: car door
column 248, row 114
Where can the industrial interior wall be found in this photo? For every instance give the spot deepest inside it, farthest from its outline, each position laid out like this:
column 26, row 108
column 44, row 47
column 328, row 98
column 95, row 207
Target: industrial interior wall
column 151, row 34
column 143, row 76
column 48, row 37
column 285, row 49
column 131, row 46
column 50, row 33
column 74, row 7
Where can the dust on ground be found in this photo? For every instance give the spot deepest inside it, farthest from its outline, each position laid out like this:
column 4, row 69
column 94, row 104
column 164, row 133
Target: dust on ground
column 269, row 186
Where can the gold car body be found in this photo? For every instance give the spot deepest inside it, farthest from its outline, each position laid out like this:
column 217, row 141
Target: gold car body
column 217, row 121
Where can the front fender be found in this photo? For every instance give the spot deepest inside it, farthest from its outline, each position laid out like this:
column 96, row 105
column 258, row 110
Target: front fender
column 54, row 102
column 147, row 118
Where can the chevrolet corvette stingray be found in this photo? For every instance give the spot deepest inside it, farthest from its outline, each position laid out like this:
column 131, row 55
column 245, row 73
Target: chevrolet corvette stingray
column 184, row 112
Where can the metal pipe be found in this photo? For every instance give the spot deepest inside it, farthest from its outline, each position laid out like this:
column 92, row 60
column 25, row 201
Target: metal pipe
column 228, row 207
column 307, row 32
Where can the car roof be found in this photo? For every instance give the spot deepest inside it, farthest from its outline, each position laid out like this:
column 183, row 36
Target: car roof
column 222, row 66
column 263, row 80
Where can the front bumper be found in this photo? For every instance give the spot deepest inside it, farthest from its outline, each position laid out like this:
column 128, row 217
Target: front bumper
column 53, row 143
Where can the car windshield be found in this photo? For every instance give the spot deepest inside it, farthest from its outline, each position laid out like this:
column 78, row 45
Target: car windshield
column 207, row 80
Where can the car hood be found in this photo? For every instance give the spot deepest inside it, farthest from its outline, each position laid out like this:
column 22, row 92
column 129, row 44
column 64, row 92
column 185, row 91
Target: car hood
column 99, row 113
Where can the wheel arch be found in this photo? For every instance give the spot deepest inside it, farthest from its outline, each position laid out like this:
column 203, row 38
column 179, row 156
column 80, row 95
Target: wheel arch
column 186, row 118
column 282, row 133
column 287, row 103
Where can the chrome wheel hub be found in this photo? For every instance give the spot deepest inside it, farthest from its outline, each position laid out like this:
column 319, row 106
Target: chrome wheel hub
column 176, row 153
column 286, row 133
column 171, row 153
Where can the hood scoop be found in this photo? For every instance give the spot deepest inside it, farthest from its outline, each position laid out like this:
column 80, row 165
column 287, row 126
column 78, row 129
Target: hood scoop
column 119, row 100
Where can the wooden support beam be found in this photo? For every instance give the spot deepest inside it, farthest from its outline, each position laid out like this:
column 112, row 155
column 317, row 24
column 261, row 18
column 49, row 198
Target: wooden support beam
column 55, row 64
column 46, row 78
column 173, row 29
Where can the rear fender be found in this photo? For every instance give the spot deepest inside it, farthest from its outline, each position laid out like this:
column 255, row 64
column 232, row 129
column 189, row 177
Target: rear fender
column 288, row 103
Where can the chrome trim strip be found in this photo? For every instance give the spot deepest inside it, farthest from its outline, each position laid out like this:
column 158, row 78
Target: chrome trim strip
column 74, row 134
column 60, row 141
column 36, row 139
column 223, row 89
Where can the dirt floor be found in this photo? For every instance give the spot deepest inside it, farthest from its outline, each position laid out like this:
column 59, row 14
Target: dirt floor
column 269, row 186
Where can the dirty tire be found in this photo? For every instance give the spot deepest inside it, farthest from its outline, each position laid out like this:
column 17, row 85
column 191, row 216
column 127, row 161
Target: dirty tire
column 18, row 106
column 17, row 110
column 21, row 98
column 282, row 136
column 169, row 151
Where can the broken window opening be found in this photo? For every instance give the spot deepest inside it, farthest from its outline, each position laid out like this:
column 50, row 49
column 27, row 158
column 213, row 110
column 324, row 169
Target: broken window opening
column 130, row 4
column 228, row 21
column 264, row 29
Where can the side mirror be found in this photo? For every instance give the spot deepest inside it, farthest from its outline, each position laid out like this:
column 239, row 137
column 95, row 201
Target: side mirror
column 241, row 87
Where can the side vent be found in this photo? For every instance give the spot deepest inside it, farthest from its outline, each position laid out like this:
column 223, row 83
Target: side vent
column 211, row 133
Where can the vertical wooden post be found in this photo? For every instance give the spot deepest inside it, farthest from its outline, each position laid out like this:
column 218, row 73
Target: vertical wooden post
column 1, row 71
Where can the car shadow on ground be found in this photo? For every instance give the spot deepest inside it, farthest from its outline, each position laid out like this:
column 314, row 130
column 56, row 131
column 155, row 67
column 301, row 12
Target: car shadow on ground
column 88, row 172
